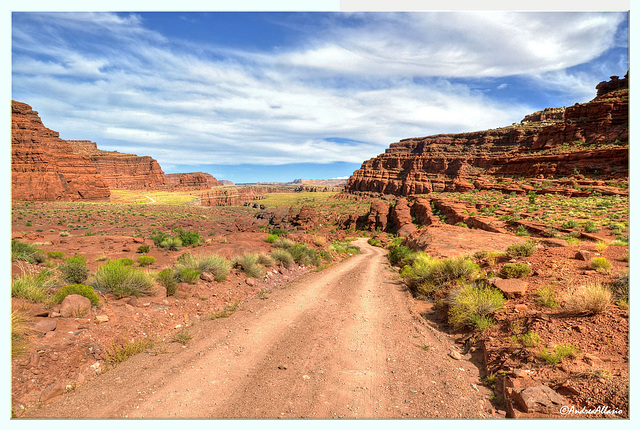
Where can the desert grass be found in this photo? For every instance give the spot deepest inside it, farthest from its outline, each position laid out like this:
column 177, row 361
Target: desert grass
column 589, row 299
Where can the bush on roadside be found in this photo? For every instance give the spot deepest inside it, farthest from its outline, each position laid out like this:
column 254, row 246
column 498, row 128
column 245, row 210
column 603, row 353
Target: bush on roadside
column 74, row 270
column 122, row 280
column 249, row 264
column 304, row 255
column 344, row 247
column 282, row 257
column 470, row 305
column 215, row 264
column 426, row 275
column 81, row 289
column 283, row 243
column 400, row 255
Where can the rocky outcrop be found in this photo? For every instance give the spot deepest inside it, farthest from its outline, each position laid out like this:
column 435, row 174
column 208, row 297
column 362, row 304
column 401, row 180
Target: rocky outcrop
column 191, row 181
column 591, row 139
column 44, row 167
column 238, row 195
column 122, row 171
column 615, row 83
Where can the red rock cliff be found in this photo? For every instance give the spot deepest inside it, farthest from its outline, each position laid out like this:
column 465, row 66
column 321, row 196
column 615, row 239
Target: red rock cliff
column 590, row 138
column 44, row 167
column 122, row 171
column 191, row 181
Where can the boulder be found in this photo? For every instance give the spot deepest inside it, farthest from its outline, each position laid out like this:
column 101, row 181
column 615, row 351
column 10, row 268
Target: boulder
column 539, row 399
column 511, row 288
column 45, row 325
column 75, row 306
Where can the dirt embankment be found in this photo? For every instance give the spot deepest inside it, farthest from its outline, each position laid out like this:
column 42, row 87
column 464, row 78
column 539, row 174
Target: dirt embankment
column 342, row 343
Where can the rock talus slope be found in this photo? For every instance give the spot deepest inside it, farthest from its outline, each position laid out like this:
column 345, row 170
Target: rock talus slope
column 44, row 167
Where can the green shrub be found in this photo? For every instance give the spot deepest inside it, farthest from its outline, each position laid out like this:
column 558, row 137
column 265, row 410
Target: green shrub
column 122, row 280
column 21, row 251
column 32, row 287
column 188, row 237
column 588, row 299
column 522, row 231
column 600, row 264
column 160, row 237
column 515, row 270
column 282, row 257
column 374, row 242
column 559, row 353
column 143, row 249
column 344, row 247
column 530, row 339
column 468, row 304
column 547, row 296
column 266, row 260
column 569, row 224
column 590, row 227
column 400, row 255
column 189, row 275
column 304, row 255
column 20, row 331
column 126, row 261
column 249, row 264
column 169, row 280
column 74, row 270
column 425, row 275
column 522, row 249
column 83, row 290
column 283, row 243
column 171, row 244
column 215, row 264
column 272, row 238
column 56, row 255
column 146, row 260
column 278, row 232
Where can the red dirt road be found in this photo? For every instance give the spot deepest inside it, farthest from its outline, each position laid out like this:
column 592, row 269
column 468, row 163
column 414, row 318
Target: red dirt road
column 342, row 343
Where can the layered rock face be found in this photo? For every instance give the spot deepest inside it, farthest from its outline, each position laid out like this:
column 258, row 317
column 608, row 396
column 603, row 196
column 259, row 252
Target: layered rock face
column 590, row 138
column 122, row 171
column 191, row 181
column 44, row 167
column 238, row 196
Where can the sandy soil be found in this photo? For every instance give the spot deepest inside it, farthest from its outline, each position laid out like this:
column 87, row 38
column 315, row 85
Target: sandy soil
column 345, row 342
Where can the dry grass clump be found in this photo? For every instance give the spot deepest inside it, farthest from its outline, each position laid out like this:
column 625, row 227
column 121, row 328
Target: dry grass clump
column 588, row 299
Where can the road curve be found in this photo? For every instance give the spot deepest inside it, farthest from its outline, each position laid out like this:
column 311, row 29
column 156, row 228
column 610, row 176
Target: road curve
column 341, row 343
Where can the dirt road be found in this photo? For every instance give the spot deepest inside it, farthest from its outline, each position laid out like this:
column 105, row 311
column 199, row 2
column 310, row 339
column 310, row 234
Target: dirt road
column 343, row 343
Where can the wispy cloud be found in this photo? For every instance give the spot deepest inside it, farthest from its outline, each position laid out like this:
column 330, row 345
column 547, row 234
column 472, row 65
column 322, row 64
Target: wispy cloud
column 370, row 80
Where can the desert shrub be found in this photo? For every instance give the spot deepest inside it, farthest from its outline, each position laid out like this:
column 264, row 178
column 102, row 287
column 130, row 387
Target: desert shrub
column 188, row 237
column 21, row 251
column 374, row 242
column 400, row 255
column 249, row 264
column 570, row 224
column 143, row 249
column 304, row 255
column 146, row 260
column 160, row 237
column 522, row 231
column 169, row 280
column 189, row 275
column 122, row 353
column 558, row 353
column 344, row 247
column 272, row 238
column 126, row 261
column 283, row 243
column 266, row 260
column 122, row 280
column 171, row 244
column 530, row 339
column 282, row 257
column 547, row 296
column 33, row 286
column 590, row 227
column 470, row 305
column 65, row 234
column 20, row 331
column 601, row 246
column 620, row 287
column 515, row 270
column 56, row 255
column 588, row 299
column 74, row 270
column 426, row 274
column 572, row 241
column 600, row 264
column 215, row 264
column 522, row 249
column 278, row 232
column 81, row 289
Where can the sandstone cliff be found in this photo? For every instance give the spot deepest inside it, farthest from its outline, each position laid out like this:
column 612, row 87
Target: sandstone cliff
column 122, row 171
column 44, row 167
column 191, row 181
column 238, row 195
column 585, row 140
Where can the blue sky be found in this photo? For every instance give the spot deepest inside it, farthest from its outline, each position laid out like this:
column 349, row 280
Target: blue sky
column 277, row 96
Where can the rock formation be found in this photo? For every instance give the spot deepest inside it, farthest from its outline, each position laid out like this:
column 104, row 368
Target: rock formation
column 191, row 181
column 122, row 171
column 590, row 139
column 44, row 167
column 238, row 196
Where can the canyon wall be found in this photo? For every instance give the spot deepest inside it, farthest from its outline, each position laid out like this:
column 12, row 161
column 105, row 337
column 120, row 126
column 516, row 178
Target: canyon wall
column 44, row 167
column 238, row 195
column 122, row 171
column 589, row 139
column 191, row 181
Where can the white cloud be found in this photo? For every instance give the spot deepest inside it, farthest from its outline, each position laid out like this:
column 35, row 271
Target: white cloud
column 134, row 89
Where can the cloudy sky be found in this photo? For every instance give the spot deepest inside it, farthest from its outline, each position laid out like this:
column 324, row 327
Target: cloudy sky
column 276, row 96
